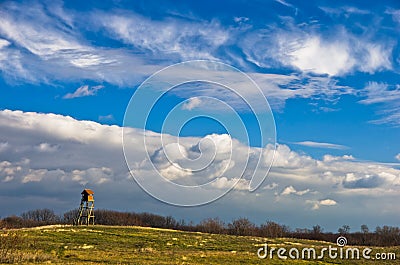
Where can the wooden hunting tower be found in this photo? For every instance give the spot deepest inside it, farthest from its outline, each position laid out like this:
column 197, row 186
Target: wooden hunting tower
column 86, row 209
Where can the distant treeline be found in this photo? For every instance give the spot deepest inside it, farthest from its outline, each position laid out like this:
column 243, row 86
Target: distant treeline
column 381, row 236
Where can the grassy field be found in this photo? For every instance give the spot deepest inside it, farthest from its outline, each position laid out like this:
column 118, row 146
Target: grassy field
column 137, row 245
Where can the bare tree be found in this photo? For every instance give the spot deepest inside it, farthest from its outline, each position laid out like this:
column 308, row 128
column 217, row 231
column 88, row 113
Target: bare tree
column 212, row 225
column 272, row 229
column 345, row 229
column 69, row 217
column 241, row 227
column 41, row 216
column 364, row 229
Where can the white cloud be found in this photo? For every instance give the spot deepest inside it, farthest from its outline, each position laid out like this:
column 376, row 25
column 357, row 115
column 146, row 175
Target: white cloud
column 271, row 186
column 395, row 13
column 322, row 58
column 34, row 175
column 3, row 146
column 377, row 57
column 188, row 40
column 47, row 47
column 321, row 175
column 240, row 19
column 8, row 170
column 46, row 147
column 291, row 190
column 380, row 93
column 398, row 156
column 345, row 10
column 8, row 178
column 327, row 109
column 339, row 56
column 276, row 88
column 90, row 154
column 84, row 91
column 288, row 190
column 325, row 202
column 302, row 192
column 191, row 103
column 321, row 145
column 284, row 157
column 279, row 88
column 284, row 3
column 43, row 45
column 93, row 176
column 302, row 47
column 330, row 158
column 108, row 117
column 4, row 43
column 388, row 96
column 224, row 183
column 358, row 181
column 174, row 172
column 44, row 36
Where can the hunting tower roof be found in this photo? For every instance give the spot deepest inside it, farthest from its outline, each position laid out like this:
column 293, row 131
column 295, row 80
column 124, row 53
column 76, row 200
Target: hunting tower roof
column 87, row 191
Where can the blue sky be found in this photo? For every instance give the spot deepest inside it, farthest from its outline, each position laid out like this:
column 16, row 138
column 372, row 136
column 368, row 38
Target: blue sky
column 329, row 70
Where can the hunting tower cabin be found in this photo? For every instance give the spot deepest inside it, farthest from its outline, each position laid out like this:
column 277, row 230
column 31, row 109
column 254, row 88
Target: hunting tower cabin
column 86, row 208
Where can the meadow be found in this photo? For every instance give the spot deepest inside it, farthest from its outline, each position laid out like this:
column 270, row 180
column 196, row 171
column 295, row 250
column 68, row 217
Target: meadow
column 61, row 244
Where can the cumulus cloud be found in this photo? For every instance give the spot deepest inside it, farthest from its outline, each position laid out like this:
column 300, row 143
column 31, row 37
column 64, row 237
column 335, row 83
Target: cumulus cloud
column 224, row 183
column 327, row 202
column 79, row 145
column 398, row 156
column 331, row 158
column 356, row 181
column 194, row 162
column 324, row 202
column 340, row 175
column 291, row 190
column 77, row 153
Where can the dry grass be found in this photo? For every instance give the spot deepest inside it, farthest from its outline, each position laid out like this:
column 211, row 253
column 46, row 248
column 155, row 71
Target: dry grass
column 13, row 248
column 136, row 245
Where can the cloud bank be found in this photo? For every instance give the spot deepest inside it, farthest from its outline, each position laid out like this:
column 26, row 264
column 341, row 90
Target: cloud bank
column 77, row 153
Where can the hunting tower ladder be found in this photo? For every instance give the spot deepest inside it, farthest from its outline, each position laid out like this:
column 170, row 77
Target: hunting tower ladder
column 86, row 209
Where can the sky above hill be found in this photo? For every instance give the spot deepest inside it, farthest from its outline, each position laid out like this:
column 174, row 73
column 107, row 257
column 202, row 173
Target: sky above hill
column 329, row 70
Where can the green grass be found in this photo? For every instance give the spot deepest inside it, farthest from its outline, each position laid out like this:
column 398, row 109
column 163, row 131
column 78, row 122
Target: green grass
column 137, row 245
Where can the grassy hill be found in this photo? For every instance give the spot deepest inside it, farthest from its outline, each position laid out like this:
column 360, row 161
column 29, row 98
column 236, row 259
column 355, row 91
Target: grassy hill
column 138, row 245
